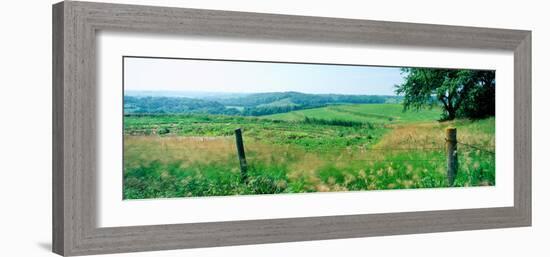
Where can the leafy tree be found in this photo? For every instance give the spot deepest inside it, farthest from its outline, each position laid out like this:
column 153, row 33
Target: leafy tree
column 461, row 93
column 480, row 103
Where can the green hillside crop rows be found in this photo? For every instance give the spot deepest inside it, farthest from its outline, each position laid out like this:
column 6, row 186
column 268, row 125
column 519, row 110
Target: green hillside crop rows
column 384, row 113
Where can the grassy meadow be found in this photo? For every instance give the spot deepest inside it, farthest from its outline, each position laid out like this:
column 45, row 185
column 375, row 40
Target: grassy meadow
column 337, row 147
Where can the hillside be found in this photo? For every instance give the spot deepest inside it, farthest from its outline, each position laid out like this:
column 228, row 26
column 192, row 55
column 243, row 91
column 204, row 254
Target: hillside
column 301, row 99
column 383, row 113
column 256, row 104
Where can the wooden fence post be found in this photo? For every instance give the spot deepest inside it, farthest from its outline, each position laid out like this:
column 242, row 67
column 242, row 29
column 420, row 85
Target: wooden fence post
column 240, row 153
column 452, row 155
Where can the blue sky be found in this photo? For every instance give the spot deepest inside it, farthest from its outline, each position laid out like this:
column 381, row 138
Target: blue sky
column 153, row 74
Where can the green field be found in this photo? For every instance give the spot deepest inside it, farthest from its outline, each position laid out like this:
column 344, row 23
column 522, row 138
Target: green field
column 334, row 148
column 379, row 113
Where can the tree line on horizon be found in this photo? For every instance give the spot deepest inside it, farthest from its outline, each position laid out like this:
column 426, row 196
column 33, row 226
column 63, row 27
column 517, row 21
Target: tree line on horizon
column 250, row 105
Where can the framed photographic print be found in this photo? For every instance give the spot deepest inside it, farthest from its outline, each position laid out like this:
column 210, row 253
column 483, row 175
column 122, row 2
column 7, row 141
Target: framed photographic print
column 182, row 128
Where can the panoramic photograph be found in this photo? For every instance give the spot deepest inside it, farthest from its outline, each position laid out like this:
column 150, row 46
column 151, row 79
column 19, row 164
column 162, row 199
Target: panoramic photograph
column 197, row 128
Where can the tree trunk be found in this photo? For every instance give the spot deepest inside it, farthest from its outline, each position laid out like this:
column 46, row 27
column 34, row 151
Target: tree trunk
column 451, row 114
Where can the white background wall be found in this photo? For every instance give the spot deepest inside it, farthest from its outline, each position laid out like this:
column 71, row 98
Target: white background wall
column 25, row 128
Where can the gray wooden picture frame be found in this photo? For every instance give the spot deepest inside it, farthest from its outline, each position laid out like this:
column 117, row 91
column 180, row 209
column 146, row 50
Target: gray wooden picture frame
column 75, row 25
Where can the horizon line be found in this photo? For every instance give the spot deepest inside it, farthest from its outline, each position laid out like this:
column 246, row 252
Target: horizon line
column 262, row 92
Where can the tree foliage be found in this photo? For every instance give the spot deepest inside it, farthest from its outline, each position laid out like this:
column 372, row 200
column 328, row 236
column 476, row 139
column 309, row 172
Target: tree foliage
column 461, row 93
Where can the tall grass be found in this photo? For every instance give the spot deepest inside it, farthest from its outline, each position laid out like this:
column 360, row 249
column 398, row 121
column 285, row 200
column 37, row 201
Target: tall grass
column 194, row 155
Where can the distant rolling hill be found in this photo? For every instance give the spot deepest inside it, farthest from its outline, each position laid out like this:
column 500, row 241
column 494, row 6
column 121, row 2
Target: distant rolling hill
column 255, row 104
column 174, row 105
column 297, row 98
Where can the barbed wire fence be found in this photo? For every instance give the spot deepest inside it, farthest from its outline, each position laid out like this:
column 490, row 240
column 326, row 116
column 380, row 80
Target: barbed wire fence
column 445, row 154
